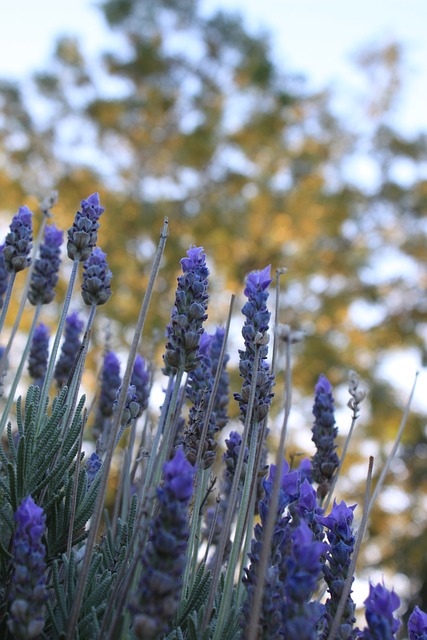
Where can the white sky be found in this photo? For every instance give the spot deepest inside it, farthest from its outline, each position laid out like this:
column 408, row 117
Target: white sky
column 315, row 37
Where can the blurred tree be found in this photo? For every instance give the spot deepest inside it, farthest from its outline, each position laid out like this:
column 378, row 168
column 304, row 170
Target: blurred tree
column 189, row 115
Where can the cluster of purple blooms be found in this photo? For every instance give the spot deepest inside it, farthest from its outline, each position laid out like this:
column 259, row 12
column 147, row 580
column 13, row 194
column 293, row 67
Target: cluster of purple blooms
column 310, row 547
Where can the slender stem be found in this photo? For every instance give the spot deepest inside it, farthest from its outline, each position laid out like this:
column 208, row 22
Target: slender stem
column 55, row 347
column 75, row 488
column 347, row 586
column 6, row 302
column 279, row 272
column 392, row 453
column 235, row 549
column 274, row 500
column 341, row 462
column 18, row 373
column 96, row 518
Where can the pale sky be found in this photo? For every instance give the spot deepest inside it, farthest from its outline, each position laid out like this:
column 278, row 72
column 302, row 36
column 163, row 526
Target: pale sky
column 315, row 37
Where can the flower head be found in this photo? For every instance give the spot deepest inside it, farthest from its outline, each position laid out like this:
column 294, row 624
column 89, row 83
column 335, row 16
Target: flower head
column 39, row 354
column 140, row 379
column 380, row 605
column 93, row 465
column 4, row 276
column 83, row 235
column 19, row 241
column 417, row 625
column 96, row 279
column 156, row 601
column 325, row 461
column 341, row 545
column 45, row 274
column 255, row 334
column 188, row 313
column 70, row 348
column 28, row 590
column 110, row 384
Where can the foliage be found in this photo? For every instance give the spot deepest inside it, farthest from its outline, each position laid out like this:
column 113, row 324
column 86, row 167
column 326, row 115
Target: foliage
column 245, row 160
column 156, row 567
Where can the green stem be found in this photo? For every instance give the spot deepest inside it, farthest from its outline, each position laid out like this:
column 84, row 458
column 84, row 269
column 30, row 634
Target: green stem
column 18, row 373
column 96, row 518
column 244, row 505
column 55, row 347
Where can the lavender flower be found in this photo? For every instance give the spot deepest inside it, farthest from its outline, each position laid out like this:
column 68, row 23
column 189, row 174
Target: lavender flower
column 156, row 601
column 341, row 539
column 18, row 241
column 199, row 388
column 110, row 383
column 96, row 279
column 28, row 590
column 380, row 605
column 4, row 276
column 188, row 314
column 83, row 235
column 417, row 625
column 140, row 379
column 70, row 348
column 93, row 465
column 303, row 568
column 255, row 334
column 325, row 461
column 45, row 274
column 130, row 410
column 272, row 613
column 222, row 394
column 39, row 354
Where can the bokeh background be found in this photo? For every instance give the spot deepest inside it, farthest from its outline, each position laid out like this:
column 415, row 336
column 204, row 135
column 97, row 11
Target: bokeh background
column 290, row 133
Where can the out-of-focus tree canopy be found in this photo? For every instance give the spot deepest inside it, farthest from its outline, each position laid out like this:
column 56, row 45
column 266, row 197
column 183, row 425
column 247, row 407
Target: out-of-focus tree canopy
column 192, row 117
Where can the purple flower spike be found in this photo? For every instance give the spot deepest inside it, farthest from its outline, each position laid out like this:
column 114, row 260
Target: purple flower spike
column 39, row 354
column 83, row 235
column 18, row 241
column 255, row 335
column 4, row 276
column 45, row 274
column 28, row 590
column 141, row 380
column 417, row 625
column 110, row 384
column 341, row 540
column 325, row 461
column 380, row 605
column 258, row 281
column 93, row 465
column 96, row 279
column 188, row 314
column 156, row 601
column 70, row 348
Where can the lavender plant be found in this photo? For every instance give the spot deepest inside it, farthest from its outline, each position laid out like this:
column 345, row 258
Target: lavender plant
column 166, row 552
